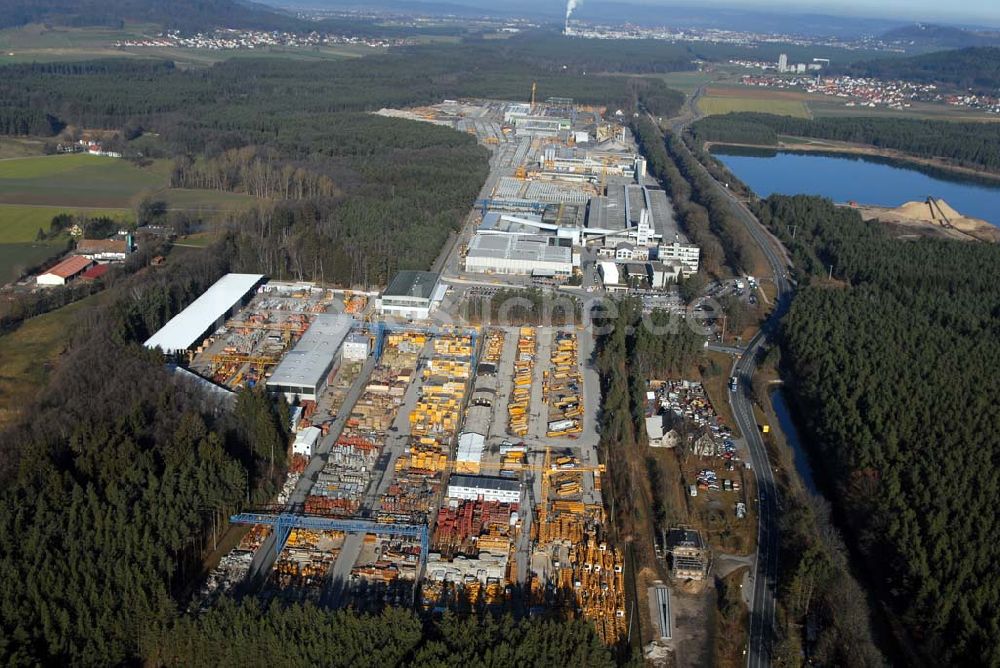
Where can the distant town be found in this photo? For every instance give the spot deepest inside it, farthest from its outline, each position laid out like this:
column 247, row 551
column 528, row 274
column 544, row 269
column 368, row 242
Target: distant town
column 857, row 91
column 230, row 39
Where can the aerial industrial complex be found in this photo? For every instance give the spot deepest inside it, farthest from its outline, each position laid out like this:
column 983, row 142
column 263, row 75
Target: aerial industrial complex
column 565, row 184
column 420, row 483
column 447, row 466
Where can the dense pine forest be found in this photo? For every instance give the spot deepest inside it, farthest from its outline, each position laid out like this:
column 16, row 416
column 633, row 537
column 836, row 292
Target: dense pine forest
column 893, row 370
column 975, row 145
column 110, row 484
column 247, row 634
column 299, row 137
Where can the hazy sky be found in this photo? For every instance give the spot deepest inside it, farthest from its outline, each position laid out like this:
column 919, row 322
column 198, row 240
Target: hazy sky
column 951, row 11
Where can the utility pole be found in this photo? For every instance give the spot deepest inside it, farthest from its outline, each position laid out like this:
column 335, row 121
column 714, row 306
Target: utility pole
column 830, row 275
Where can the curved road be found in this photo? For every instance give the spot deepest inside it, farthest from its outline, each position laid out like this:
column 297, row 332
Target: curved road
column 766, row 563
column 765, row 571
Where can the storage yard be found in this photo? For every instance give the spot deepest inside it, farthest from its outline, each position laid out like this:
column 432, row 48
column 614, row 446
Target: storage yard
column 563, row 388
column 246, row 349
column 448, row 468
column 427, row 442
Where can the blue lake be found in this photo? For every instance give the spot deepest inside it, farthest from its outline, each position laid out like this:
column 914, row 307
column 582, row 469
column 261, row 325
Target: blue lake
column 874, row 181
column 801, row 457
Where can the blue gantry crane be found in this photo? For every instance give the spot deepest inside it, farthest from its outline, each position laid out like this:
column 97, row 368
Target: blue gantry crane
column 381, row 329
column 283, row 523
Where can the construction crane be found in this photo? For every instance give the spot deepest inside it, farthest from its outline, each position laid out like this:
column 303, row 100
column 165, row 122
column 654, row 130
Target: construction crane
column 283, row 523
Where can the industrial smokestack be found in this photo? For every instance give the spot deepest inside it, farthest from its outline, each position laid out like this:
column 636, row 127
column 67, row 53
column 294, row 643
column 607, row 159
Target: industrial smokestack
column 570, row 6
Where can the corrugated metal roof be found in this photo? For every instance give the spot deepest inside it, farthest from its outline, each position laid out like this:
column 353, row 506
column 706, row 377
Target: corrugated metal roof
column 470, row 447
column 185, row 328
column 484, row 482
column 419, row 284
column 70, row 267
column 102, row 246
column 96, row 271
column 314, row 353
column 534, row 248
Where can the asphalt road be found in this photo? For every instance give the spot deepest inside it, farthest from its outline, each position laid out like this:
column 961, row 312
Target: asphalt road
column 766, row 566
column 765, row 571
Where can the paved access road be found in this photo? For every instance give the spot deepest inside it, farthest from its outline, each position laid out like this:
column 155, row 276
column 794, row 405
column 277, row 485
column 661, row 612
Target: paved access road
column 765, row 570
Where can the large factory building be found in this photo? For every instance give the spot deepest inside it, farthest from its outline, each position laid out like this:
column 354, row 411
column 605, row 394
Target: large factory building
column 305, row 371
column 487, row 488
column 514, row 254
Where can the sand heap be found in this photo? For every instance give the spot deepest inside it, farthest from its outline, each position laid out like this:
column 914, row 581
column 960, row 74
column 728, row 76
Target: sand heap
column 940, row 213
column 935, row 211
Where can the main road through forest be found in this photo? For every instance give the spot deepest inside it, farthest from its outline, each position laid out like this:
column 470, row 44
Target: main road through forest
column 765, row 572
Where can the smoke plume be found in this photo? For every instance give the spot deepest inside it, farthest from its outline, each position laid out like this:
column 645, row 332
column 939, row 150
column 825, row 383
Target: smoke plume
column 570, row 6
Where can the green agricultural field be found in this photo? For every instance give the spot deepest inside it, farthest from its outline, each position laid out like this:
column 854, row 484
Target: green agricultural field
column 78, row 181
column 27, row 354
column 38, row 36
column 688, row 82
column 37, row 43
column 192, row 242
column 17, row 258
column 20, row 147
column 33, row 190
column 20, row 223
column 712, row 105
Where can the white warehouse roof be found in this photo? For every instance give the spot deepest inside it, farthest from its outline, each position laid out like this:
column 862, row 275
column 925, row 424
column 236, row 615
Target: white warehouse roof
column 314, row 354
column 470, row 447
column 187, row 327
column 531, row 249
